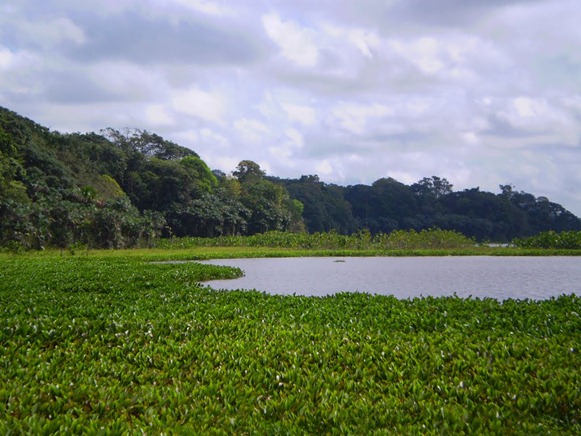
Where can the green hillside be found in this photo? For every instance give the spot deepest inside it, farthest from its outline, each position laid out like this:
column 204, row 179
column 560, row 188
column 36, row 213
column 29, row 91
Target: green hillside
column 118, row 189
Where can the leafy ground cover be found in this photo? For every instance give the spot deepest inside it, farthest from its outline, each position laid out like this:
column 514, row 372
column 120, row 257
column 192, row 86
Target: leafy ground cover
column 110, row 342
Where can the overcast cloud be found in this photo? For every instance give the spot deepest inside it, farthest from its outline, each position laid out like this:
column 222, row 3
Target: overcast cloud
column 482, row 92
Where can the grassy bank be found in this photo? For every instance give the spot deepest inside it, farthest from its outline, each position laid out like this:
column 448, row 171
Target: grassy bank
column 111, row 342
column 432, row 242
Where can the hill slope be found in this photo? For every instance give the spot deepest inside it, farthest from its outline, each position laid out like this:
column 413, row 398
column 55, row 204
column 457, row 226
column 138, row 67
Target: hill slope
column 117, row 189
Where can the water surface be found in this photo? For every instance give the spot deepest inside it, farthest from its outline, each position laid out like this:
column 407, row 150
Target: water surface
column 477, row 276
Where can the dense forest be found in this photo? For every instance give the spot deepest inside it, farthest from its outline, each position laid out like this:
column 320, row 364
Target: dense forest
column 389, row 205
column 125, row 188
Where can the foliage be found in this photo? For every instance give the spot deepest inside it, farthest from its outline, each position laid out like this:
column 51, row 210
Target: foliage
column 205, row 180
column 432, row 239
column 389, row 205
column 112, row 344
column 434, row 186
column 91, row 175
column 268, row 203
column 324, row 205
column 10, row 187
column 428, row 239
column 59, row 222
column 134, row 186
column 248, row 170
column 551, row 239
column 144, row 143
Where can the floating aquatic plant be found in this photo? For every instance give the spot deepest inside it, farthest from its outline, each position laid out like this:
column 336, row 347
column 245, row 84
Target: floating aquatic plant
column 114, row 344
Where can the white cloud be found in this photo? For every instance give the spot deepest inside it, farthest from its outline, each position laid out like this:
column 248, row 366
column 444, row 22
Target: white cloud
column 223, row 163
column 527, row 107
column 461, row 58
column 542, row 116
column 204, row 137
column 157, row 115
column 300, row 113
column 354, row 117
column 204, row 6
column 470, row 138
column 20, row 62
column 286, row 148
column 324, row 167
column 295, row 136
column 571, row 102
column 283, row 154
column 123, row 80
column 482, row 93
column 53, row 32
column 365, row 40
column 7, row 59
column 251, row 130
column 424, row 53
column 214, row 139
column 296, row 42
column 201, row 104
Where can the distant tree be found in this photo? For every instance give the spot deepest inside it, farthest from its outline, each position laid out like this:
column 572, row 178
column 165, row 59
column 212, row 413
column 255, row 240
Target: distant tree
column 208, row 216
column 365, row 204
column 506, row 191
column 396, row 200
column 434, row 186
column 297, row 224
column 482, row 215
column 324, row 205
column 205, row 181
column 247, row 170
column 219, row 174
column 269, row 203
column 147, row 144
column 10, row 170
column 117, row 224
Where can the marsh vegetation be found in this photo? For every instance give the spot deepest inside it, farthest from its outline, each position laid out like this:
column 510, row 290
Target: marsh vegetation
column 110, row 341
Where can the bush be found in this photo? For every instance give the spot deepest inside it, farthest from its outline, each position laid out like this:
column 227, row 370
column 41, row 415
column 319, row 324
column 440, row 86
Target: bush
column 362, row 240
column 570, row 240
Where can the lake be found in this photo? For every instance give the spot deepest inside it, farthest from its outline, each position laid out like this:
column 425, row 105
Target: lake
column 503, row 277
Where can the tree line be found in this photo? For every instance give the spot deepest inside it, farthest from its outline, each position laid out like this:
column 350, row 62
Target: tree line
column 125, row 188
column 388, row 205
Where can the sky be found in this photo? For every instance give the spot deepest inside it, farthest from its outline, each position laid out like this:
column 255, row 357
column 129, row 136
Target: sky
column 480, row 92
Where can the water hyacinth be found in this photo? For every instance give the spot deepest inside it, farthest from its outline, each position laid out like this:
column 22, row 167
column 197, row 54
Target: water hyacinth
column 570, row 240
column 430, row 242
column 362, row 240
column 115, row 343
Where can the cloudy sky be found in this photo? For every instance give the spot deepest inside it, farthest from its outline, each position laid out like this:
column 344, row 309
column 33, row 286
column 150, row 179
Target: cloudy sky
column 482, row 92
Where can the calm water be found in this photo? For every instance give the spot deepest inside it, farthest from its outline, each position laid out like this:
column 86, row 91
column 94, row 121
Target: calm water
column 479, row 276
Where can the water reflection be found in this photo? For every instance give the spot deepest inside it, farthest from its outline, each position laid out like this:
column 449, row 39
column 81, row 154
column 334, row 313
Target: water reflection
column 404, row 277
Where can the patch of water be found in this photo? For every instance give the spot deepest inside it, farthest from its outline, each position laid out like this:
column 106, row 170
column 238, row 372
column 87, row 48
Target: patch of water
column 404, row 277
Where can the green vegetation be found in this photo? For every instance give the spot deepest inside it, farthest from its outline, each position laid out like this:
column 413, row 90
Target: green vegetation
column 564, row 240
column 124, row 189
column 398, row 240
column 129, row 188
column 389, row 205
column 113, row 342
column 109, row 342
column 431, row 242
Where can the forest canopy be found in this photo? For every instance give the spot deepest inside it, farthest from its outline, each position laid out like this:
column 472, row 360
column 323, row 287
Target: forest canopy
column 125, row 188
